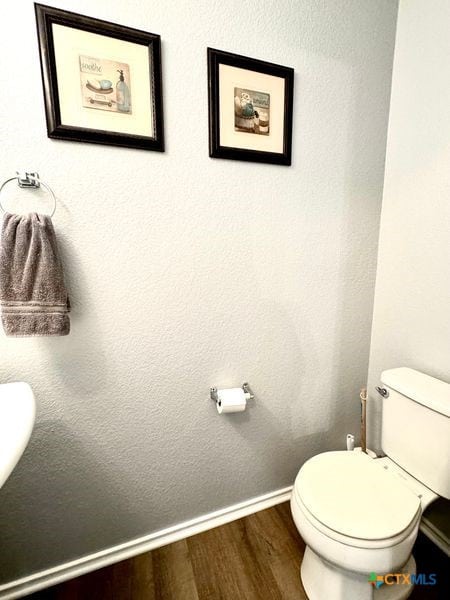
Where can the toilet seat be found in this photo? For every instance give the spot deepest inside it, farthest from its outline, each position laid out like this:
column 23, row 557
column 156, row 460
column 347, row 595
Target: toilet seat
column 348, row 498
column 359, row 543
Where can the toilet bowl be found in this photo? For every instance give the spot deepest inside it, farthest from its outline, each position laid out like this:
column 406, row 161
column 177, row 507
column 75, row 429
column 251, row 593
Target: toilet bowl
column 356, row 518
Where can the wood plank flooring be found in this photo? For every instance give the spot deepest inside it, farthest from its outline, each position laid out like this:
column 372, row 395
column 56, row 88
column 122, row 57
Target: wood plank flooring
column 252, row 558
column 255, row 558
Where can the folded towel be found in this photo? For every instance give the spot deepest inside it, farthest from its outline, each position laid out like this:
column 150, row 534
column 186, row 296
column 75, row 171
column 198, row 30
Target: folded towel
column 33, row 296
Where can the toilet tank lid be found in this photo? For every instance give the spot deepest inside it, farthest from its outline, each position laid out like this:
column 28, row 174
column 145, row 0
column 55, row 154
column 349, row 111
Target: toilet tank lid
column 424, row 389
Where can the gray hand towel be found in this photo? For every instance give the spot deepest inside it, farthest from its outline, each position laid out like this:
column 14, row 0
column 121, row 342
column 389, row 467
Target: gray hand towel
column 33, row 296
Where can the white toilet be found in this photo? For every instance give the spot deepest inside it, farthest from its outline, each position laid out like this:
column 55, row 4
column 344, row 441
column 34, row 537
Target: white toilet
column 359, row 515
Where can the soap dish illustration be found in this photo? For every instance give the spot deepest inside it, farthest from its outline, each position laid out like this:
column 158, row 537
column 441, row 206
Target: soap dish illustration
column 96, row 89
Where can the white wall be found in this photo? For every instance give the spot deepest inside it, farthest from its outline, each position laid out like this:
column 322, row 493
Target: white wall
column 411, row 325
column 187, row 272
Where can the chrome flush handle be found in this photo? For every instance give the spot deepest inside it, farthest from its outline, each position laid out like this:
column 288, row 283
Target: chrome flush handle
column 382, row 391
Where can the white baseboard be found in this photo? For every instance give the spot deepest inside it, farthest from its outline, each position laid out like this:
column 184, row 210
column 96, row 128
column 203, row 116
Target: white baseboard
column 438, row 541
column 80, row 566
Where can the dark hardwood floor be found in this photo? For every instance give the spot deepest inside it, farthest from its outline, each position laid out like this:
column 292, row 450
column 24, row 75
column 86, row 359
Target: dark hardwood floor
column 429, row 559
column 255, row 558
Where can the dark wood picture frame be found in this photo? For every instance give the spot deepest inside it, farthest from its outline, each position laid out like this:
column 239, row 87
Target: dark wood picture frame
column 217, row 57
column 46, row 16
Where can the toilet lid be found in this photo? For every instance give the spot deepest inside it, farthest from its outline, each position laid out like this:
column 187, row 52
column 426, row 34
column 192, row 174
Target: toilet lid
column 349, row 494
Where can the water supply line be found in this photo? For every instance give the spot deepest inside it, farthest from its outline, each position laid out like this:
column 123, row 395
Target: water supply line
column 363, row 396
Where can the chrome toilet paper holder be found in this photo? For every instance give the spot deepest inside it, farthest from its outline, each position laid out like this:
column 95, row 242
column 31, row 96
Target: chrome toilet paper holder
column 245, row 387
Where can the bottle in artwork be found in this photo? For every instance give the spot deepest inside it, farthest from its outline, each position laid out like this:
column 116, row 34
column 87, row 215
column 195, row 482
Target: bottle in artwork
column 122, row 94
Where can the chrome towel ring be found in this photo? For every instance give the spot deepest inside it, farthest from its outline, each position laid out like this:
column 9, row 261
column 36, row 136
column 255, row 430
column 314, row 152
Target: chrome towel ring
column 29, row 180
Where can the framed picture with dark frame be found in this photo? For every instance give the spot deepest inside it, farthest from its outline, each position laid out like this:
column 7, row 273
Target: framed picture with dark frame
column 250, row 108
column 102, row 81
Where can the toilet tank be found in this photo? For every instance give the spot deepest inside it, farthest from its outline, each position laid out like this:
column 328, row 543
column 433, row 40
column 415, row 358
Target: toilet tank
column 416, row 426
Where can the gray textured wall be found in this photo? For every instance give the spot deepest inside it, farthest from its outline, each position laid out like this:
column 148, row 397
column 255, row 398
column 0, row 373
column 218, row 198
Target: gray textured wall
column 186, row 272
column 411, row 326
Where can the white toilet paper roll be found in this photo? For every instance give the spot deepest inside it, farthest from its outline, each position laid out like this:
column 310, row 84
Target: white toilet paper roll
column 231, row 400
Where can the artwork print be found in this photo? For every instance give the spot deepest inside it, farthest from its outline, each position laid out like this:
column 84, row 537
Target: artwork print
column 250, row 105
column 251, row 111
column 102, row 81
column 105, row 84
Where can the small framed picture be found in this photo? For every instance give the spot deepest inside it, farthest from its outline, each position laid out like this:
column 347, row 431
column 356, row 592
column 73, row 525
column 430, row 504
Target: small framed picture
column 250, row 109
column 102, row 81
